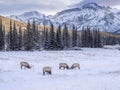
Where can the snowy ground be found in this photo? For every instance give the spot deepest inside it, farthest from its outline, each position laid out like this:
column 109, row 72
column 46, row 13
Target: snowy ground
column 100, row 70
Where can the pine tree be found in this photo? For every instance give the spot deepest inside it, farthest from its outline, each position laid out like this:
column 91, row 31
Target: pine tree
column 2, row 36
column 59, row 39
column 65, row 37
column 96, row 39
column 46, row 42
column 52, row 42
column 29, row 43
column 38, row 38
column 89, row 37
column 35, row 35
column 74, row 37
column 15, row 38
column 43, row 36
column 10, row 36
column 20, row 39
column 83, row 37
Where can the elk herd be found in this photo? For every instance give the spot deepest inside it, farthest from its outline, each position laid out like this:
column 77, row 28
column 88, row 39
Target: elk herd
column 48, row 70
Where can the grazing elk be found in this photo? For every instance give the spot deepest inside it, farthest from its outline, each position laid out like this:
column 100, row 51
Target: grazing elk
column 75, row 65
column 47, row 70
column 63, row 65
column 25, row 64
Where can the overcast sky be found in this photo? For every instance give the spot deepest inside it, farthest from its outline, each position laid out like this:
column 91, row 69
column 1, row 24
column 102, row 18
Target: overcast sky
column 48, row 7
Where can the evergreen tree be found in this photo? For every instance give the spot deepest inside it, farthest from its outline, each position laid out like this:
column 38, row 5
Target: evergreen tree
column 89, row 37
column 35, row 35
column 74, row 37
column 20, row 39
column 29, row 43
column 59, row 39
column 65, row 37
column 15, row 38
column 38, row 38
column 10, row 36
column 46, row 42
column 2, row 35
column 96, row 38
column 83, row 37
column 52, row 42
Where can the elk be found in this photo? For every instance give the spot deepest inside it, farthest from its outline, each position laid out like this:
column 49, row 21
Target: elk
column 63, row 65
column 47, row 70
column 75, row 65
column 25, row 64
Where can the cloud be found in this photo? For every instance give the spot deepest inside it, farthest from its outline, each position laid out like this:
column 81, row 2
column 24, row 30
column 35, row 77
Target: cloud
column 8, row 7
column 104, row 2
column 1, row 1
column 16, row 6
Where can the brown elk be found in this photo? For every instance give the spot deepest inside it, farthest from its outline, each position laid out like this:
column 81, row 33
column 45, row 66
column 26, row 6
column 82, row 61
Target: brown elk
column 63, row 65
column 47, row 70
column 25, row 64
column 75, row 65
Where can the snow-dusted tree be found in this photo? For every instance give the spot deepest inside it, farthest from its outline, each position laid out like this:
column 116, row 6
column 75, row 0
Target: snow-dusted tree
column 2, row 36
column 15, row 38
column 29, row 43
column 83, row 37
column 35, row 36
column 10, row 36
column 46, row 38
column 74, row 37
column 96, row 38
column 89, row 37
column 59, row 45
column 65, row 37
column 20, row 39
column 52, row 42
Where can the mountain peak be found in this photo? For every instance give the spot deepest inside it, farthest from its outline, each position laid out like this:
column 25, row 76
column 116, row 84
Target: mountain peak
column 82, row 14
column 28, row 16
column 92, row 5
column 32, row 13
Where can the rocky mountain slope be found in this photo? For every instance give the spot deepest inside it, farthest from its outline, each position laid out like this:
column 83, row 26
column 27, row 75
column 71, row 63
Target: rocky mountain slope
column 103, row 17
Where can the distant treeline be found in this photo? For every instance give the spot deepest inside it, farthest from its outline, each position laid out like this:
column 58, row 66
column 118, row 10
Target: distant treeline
column 51, row 39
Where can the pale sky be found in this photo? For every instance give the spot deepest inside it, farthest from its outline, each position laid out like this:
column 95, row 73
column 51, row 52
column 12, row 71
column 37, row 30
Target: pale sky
column 48, row 7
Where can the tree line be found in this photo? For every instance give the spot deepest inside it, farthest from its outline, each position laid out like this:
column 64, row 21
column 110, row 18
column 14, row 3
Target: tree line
column 51, row 38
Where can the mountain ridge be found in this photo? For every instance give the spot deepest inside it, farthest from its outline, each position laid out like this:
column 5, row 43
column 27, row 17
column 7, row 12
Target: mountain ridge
column 91, row 14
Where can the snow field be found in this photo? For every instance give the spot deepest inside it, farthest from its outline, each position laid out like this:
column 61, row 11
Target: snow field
column 100, row 70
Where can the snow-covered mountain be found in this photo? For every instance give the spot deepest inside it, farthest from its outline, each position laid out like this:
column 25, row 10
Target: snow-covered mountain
column 29, row 16
column 103, row 17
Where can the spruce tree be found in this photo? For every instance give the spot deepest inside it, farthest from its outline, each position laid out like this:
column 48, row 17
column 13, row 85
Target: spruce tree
column 2, row 36
column 96, row 39
column 29, row 43
column 59, row 39
column 20, row 39
column 65, row 37
column 74, row 37
column 52, row 42
column 46, row 42
column 15, row 38
column 99, row 39
column 83, row 37
column 10, row 36
column 89, row 37
column 35, row 35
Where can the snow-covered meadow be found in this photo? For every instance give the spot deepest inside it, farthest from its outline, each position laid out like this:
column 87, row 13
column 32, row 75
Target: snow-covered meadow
column 100, row 70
